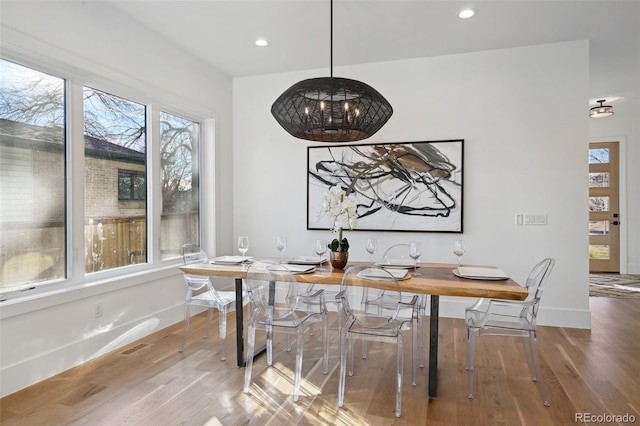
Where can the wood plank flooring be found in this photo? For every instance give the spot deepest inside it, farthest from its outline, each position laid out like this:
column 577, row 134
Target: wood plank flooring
column 149, row 383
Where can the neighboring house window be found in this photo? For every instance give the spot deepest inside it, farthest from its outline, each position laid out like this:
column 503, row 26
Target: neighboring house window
column 131, row 186
column 179, row 148
column 32, row 177
column 115, row 135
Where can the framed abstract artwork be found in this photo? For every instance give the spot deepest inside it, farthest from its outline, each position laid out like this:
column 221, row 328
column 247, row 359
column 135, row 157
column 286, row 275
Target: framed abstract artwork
column 408, row 186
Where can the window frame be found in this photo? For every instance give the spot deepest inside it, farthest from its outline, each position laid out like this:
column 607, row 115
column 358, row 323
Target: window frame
column 75, row 79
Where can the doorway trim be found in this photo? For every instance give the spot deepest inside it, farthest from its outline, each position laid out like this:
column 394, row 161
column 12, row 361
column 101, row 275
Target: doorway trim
column 622, row 166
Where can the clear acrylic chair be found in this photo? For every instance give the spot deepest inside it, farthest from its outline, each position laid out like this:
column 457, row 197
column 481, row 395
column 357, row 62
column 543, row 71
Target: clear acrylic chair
column 394, row 255
column 201, row 292
column 385, row 322
column 278, row 301
column 510, row 318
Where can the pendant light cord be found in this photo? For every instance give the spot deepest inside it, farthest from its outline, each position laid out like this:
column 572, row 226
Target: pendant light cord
column 331, row 37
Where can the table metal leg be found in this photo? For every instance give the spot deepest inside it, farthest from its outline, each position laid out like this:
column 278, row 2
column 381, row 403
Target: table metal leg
column 433, row 346
column 239, row 323
column 240, row 327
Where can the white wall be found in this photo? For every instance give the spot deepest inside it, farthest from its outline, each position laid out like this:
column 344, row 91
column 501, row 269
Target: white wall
column 522, row 115
column 45, row 334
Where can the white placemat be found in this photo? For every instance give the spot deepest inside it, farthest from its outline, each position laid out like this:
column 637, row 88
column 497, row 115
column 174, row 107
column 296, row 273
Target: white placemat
column 480, row 273
column 296, row 269
column 396, row 263
column 306, row 260
column 376, row 274
column 231, row 260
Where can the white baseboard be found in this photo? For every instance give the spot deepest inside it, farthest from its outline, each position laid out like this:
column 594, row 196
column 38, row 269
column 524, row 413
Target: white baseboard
column 633, row 268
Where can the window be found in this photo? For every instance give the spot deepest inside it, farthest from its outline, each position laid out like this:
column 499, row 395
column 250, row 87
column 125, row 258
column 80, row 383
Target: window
column 35, row 209
column 32, row 176
column 179, row 147
column 115, row 137
column 131, row 186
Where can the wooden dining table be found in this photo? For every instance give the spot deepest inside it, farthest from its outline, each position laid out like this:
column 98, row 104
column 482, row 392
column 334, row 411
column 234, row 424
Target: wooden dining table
column 435, row 280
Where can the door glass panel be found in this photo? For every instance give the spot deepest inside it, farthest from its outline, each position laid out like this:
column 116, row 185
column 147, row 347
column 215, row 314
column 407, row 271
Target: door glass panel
column 598, row 155
column 599, row 227
column 599, row 204
column 599, row 251
column 599, row 180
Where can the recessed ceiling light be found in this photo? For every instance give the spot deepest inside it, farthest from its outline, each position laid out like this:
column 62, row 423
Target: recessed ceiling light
column 262, row 42
column 467, row 13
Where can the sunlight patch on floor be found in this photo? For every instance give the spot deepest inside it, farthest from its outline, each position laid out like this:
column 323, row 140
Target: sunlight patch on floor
column 213, row 422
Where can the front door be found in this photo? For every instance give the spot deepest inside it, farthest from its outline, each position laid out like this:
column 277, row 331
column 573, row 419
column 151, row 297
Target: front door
column 604, row 217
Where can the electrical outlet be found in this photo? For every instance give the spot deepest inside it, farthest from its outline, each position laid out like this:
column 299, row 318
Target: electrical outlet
column 97, row 310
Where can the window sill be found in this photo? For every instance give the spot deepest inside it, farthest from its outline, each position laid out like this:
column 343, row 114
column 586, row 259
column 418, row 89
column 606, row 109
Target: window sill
column 48, row 295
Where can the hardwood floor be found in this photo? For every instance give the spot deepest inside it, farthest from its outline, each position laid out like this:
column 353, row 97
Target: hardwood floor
column 149, row 383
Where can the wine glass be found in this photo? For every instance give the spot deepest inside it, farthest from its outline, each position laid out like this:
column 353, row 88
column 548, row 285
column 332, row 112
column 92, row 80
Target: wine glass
column 415, row 251
column 281, row 244
column 372, row 247
column 459, row 249
column 243, row 245
column 321, row 248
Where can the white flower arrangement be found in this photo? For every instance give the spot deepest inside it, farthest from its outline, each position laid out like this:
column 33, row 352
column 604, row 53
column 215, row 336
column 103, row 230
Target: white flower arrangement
column 342, row 212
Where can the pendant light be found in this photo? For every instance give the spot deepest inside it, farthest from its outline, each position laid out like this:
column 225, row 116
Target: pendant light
column 601, row 111
column 331, row 109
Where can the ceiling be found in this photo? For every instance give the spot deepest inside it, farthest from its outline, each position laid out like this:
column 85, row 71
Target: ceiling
column 222, row 33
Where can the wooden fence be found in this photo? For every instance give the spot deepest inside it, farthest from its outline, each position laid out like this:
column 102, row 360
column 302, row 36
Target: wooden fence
column 36, row 252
